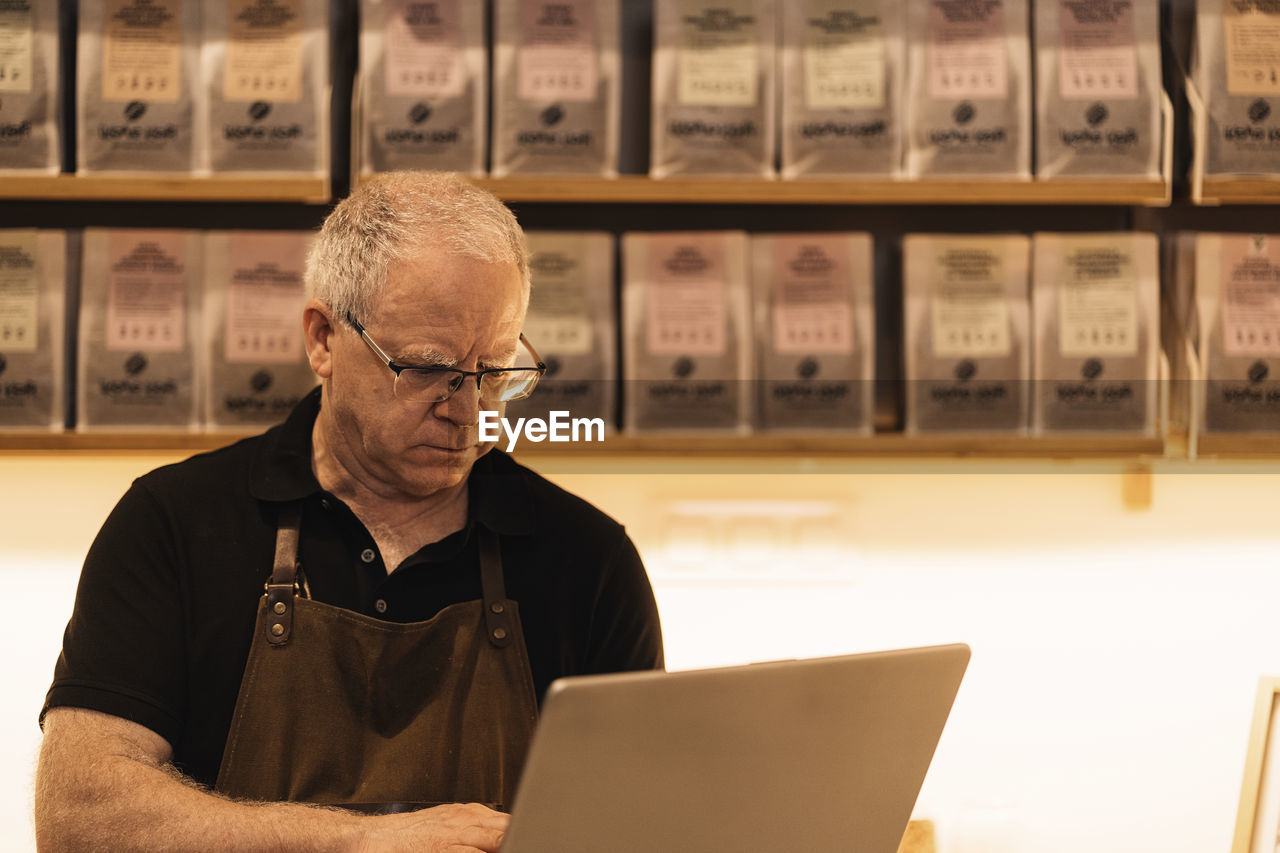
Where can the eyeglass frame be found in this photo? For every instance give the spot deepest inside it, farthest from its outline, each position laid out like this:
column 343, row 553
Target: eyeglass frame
column 462, row 375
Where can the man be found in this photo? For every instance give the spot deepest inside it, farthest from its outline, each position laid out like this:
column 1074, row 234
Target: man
column 420, row 594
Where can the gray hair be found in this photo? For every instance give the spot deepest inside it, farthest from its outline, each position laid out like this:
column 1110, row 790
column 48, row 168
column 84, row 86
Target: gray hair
column 394, row 214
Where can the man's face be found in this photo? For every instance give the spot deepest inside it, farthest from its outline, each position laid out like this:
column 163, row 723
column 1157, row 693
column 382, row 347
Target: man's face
column 438, row 310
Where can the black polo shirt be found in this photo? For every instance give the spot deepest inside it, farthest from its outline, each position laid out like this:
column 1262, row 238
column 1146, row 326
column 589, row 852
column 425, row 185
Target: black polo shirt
column 164, row 613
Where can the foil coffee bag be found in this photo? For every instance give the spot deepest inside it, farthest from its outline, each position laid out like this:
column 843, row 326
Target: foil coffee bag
column 967, row 342
column 137, row 85
column 713, row 88
column 815, row 344
column 968, row 88
column 842, row 67
column 556, row 87
column 422, row 92
column 139, row 330
column 256, row 364
column 1096, row 309
column 33, row 293
column 688, row 337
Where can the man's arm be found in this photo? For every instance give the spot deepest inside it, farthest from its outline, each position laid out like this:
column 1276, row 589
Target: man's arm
column 105, row 783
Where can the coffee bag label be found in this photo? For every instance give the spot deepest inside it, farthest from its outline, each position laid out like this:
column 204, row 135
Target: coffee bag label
column 1251, row 29
column 811, row 309
column 19, row 293
column 1098, row 57
column 718, row 65
column 967, row 56
column 17, row 35
column 686, row 311
column 1250, row 295
column 141, row 50
column 146, row 292
column 844, row 58
column 969, row 311
column 265, row 297
column 557, row 55
column 1098, row 303
column 559, row 318
column 264, row 51
column 424, row 49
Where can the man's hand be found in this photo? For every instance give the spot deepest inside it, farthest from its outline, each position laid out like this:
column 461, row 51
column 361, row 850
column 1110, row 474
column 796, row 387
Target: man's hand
column 454, row 828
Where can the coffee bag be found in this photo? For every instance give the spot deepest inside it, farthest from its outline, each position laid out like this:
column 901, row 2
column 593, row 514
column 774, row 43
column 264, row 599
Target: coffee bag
column 967, row 346
column 815, row 331
column 1237, row 74
column 422, row 93
column 29, row 86
column 688, row 342
column 713, row 88
column 33, row 293
column 556, row 87
column 137, row 83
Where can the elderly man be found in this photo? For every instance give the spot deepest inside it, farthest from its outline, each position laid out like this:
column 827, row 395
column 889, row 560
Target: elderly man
column 421, row 593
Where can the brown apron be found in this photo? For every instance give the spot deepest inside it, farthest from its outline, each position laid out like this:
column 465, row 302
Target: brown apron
column 336, row 707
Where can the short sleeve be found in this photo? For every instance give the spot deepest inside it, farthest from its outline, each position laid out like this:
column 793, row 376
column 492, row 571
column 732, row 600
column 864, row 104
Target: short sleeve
column 123, row 651
column 625, row 632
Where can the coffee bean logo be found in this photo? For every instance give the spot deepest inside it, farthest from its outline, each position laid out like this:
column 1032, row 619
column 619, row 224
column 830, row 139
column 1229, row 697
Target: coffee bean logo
column 134, row 110
column 260, row 381
column 964, row 112
column 135, row 364
column 419, row 113
column 1097, row 114
column 1091, row 369
column 1258, row 371
column 259, row 110
column 553, row 365
column 1259, row 110
column 966, row 370
column 683, row 367
column 807, row 369
column 552, row 115
column 3, row 364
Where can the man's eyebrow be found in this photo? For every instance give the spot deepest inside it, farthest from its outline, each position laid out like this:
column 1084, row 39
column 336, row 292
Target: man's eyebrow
column 425, row 357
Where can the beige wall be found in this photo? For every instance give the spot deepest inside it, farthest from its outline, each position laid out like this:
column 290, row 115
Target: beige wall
column 1115, row 651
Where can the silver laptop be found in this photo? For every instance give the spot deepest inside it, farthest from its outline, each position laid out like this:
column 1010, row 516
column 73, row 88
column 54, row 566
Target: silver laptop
column 825, row 754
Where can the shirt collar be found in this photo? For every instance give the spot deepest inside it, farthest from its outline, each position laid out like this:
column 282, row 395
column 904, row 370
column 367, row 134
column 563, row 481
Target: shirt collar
column 498, row 492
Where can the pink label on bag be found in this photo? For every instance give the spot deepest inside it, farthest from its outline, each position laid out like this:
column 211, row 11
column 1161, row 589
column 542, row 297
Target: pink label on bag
column 1250, row 295
column 811, row 295
column 424, row 49
column 1098, row 57
column 967, row 55
column 557, row 53
column 146, row 291
column 686, row 312
column 265, row 297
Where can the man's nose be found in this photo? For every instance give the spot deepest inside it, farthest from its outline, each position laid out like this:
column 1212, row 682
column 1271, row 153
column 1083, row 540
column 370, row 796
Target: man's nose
column 463, row 405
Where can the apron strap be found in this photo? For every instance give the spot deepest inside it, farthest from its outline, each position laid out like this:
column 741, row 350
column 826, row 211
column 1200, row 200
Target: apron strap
column 497, row 608
column 283, row 585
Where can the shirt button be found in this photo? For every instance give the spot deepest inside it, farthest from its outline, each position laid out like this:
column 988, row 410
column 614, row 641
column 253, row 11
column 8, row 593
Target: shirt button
column 380, row 606
column 367, row 555
column 324, row 503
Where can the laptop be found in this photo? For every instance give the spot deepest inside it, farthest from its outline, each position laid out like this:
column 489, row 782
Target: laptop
column 826, row 754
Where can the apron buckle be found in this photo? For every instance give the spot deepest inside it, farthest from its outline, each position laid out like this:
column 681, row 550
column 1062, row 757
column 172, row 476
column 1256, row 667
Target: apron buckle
column 279, row 608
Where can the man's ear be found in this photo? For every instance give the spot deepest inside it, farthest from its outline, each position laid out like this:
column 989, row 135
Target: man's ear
column 318, row 326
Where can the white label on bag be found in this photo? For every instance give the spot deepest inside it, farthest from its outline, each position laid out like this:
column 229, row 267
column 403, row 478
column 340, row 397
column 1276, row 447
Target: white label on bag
column 424, row 49
column 717, row 64
column 1099, row 54
column 19, row 293
column 142, row 50
column 843, row 55
column 559, row 318
column 265, row 297
column 1250, row 295
column 557, row 57
column 1252, row 33
column 146, row 292
column 969, row 309
column 811, row 310
column 1098, row 303
column 264, row 51
column 17, row 33
column 967, row 57
column 686, row 296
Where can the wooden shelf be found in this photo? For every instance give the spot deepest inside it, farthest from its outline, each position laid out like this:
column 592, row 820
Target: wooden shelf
column 164, row 187
column 1253, row 190
column 634, row 189
column 1239, row 446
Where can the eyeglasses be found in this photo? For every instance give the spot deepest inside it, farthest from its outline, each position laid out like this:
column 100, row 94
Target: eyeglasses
column 437, row 384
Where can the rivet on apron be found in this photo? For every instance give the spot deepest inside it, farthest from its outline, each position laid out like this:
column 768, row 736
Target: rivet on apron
column 278, row 629
column 499, row 633
column 280, row 608
column 497, row 607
